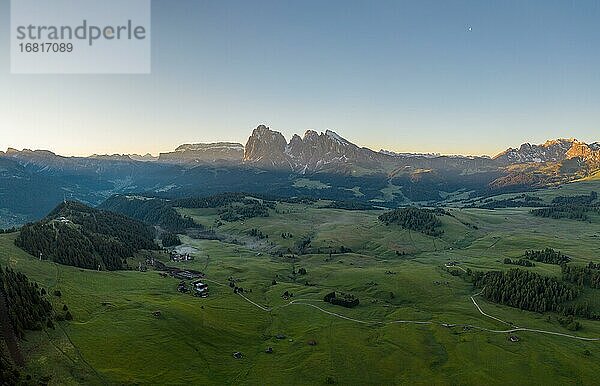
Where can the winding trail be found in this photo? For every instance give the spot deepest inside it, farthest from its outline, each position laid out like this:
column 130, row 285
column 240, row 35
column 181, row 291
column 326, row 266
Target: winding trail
column 484, row 314
column 517, row 328
column 304, row 302
column 256, row 304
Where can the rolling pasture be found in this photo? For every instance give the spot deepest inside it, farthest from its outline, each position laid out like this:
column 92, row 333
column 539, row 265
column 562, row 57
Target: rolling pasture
column 397, row 334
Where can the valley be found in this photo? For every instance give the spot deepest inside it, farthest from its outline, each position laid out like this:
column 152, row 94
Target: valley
column 419, row 319
column 318, row 165
column 301, row 193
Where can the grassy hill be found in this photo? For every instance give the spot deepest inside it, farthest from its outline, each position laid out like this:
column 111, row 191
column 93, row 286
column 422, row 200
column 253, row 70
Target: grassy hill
column 75, row 234
column 115, row 338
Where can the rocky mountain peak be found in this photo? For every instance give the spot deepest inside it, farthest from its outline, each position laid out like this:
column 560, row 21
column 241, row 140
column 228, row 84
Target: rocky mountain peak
column 310, row 136
column 556, row 150
column 332, row 135
column 266, row 148
column 313, row 152
column 584, row 151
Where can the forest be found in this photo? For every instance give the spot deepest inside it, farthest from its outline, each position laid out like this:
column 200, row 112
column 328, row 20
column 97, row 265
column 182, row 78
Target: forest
column 232, row 206
column 548, row 256
column 247, row 208
column 572, row 208
column 153, row 211
column 9, row 374
column 588, row 276
column 416, row 219
column 524, row 290
column 27, row 305
column 520, row 201
column 521, row 262
column 350, row 205
column 214, row 201
column 77, row 235
column 170, row 240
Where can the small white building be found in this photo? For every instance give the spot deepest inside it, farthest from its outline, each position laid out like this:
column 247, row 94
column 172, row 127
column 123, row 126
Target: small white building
column 201, row 289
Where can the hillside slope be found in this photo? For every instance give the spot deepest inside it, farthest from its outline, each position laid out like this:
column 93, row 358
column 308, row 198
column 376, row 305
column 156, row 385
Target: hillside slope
column 75, row 234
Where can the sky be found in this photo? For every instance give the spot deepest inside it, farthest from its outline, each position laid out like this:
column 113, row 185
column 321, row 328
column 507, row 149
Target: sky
column 407, row 76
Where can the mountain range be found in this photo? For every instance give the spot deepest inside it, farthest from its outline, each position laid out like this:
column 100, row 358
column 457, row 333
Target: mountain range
column 316, row 152
column 329, row 152
column 323, row 165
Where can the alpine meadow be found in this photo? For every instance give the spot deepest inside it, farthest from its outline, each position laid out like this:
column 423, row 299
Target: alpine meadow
column 168, row 215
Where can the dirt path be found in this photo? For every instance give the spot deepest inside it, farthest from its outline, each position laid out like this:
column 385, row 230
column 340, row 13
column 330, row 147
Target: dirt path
column 304, row 302
column 483, row 313
column 8, row 332
column 517, row 328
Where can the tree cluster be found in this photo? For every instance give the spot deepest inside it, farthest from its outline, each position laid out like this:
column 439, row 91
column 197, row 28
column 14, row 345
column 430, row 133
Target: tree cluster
column 569, row 322
column 170, row 240
column 9, row 374
column 416, row 219
column 572, row 208
column 77, row 235
column 581, row 309
column 592, row 265
column 254, row 232
column 583, row 276
column 341, row 299
column 520, row 201
column 248, row 208
column 303, row 245
column 153, row 211
column 350, row 205
column 524, row 290
column 521, row 262
column 576, row 200
column 548, row 256
column 28, row 309
column 222, row 200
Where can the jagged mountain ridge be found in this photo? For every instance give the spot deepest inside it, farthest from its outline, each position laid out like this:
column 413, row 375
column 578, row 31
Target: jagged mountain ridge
column 313, row 152
column 551, row 151
column 33, row 182
column 329, row 152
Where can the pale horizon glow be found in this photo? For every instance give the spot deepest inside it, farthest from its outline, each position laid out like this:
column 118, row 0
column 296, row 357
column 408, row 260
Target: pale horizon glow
column 375, row 146
column 466, row 77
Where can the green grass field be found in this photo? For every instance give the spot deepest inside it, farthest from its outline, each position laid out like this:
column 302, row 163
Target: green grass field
column 115, row 339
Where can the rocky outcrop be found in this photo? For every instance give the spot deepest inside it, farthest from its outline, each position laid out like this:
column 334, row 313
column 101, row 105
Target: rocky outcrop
column 219, row 152
column 314, row 152
column 590, row 153
column 558, row 150
column 267, row 148
column 551, row 151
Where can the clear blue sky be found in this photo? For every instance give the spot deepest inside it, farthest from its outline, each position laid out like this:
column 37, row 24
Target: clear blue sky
column 402, row 75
